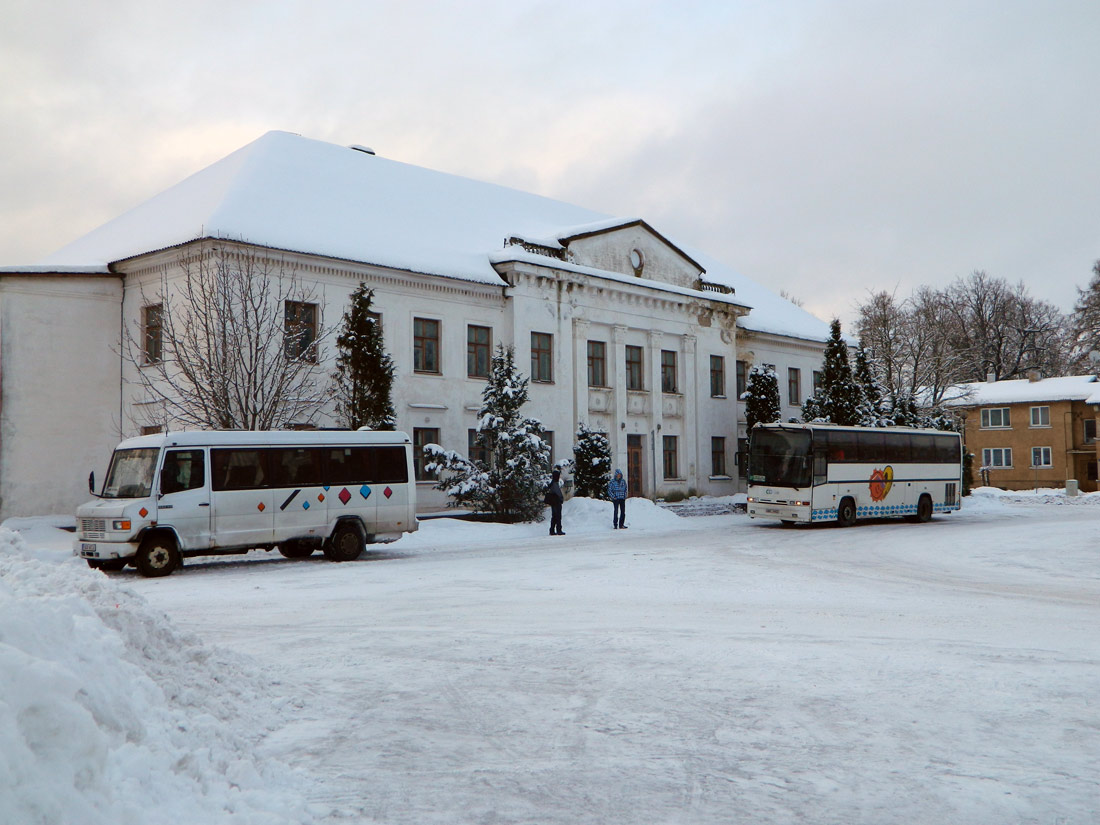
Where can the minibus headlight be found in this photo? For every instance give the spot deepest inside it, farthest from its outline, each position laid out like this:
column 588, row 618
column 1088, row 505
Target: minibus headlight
column 751, row 500
column 123, row 524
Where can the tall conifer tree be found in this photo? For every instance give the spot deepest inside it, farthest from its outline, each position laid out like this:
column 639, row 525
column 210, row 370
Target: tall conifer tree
column 363, row 381
column 761, row 397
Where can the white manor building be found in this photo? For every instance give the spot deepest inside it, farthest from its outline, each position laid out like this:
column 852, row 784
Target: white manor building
column 614, row 324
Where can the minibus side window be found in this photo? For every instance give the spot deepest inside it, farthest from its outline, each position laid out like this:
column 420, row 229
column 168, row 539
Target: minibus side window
column 295, row 466
column 346, row 465
column 390, row 465
column 236, row 469
column 183, row 470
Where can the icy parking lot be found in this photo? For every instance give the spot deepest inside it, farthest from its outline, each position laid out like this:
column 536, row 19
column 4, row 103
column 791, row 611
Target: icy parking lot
column 703, row 670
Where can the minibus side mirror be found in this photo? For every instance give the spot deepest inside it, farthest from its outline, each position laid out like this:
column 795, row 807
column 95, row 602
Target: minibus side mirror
column 91, row 484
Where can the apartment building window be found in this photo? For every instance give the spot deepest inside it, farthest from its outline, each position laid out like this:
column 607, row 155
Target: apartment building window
column 426, row 345
column 668, row 371
column 1040, row 416
column 597, row 364
column 152, row 324
column 671, row 457
column 997, row 457
column 423, row 436
column 634, row 372
column 717, row 376
column 542, row 357
column 718, row 456
column 478, row 351
column 995, row 418
column 1040, row 457
column 742, row 377
column 794, row 386
column 300, row 330
column 476, row 452
column 1090, row 430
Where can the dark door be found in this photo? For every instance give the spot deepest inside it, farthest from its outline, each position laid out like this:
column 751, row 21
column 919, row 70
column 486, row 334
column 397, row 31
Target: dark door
column 634, row 465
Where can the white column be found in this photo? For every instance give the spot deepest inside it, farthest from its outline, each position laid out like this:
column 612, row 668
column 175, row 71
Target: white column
column 692, row 448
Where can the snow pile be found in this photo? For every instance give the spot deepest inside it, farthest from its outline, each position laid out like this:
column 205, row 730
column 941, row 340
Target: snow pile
column 1043, row 495
column 107, row 715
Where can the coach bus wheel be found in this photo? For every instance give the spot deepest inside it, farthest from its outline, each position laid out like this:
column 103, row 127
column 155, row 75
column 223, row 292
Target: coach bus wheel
column 158, row 556
column 345, row 543
column 924, row 508
column 846, row 513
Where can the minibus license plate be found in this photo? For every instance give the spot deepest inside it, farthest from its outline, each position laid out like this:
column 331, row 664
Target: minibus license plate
column 87, row 549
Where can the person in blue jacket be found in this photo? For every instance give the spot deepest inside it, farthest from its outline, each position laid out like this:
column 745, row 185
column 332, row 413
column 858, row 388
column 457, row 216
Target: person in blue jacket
column 616, row 491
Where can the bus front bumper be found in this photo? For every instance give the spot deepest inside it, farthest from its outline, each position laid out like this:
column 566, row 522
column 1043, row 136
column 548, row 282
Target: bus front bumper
column 775, row 510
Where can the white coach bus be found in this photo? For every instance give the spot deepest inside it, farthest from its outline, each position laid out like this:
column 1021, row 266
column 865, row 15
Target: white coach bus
column 814, row 473
column 176, row 495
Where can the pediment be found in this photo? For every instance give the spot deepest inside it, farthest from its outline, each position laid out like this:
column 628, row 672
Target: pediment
column 632, row 248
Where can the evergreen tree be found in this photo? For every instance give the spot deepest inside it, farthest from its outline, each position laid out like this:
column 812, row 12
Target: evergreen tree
column 839, row 397
column 1086, row 315
column 511, row 484
column 592, row 468
column 363, row 381
column 904, row 411
column 761, row 397
column 870, row 405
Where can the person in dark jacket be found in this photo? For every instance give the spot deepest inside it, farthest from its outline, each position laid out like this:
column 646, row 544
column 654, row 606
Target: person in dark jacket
column 616, row 491
column 555, row 498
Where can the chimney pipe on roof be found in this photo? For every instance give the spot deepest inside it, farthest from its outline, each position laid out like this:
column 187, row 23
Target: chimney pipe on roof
column 1034, row 375
column 991, row 378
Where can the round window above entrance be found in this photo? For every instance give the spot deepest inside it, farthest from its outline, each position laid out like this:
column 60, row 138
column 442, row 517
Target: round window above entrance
column 637, row 261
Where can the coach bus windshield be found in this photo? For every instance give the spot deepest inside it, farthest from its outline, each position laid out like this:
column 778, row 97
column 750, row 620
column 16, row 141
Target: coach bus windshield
column 780, row 457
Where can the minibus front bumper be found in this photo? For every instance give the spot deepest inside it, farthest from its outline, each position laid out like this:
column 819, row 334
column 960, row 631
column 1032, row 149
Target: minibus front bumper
column 99, row 549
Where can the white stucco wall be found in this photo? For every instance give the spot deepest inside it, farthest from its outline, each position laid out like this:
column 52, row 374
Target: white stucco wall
column 59, row 388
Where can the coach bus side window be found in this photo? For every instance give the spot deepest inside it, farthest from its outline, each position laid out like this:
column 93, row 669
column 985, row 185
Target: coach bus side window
column 897, row 448
column 947, row 449
column 924, row 449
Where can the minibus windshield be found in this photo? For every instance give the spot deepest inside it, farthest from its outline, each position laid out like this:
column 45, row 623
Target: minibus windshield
column 780, row 457
column 131, row 473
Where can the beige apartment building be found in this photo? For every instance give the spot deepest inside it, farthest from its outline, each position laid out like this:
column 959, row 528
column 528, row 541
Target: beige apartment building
column 1032, row 433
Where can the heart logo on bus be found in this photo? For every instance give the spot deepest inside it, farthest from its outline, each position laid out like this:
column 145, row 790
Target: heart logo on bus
column 881, row 482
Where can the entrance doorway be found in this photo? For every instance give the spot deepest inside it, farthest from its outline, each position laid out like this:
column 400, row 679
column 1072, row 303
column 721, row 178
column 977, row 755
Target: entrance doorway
column 634, row 465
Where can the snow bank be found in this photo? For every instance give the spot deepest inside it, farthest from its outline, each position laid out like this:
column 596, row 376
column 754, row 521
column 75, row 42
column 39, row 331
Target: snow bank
column 1043, row 495
column 107, row 715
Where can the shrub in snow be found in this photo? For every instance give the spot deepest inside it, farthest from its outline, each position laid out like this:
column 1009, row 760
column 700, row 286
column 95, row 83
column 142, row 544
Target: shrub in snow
column 591, row 463
column 511, row 476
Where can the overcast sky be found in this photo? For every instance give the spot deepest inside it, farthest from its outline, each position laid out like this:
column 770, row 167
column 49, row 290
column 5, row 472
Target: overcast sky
column 824, row 148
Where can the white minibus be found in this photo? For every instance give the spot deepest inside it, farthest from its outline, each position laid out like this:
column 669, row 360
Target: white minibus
column 815, row 473
column 201, row 493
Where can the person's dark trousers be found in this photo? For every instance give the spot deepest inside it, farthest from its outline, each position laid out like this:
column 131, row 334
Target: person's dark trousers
column 555, row 519
column 618, row 515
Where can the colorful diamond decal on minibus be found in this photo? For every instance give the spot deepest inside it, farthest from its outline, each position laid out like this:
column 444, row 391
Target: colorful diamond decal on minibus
column 305, row 504
column 387, row 492
column 143, row 512
column 364, row 491
column 320, row 496
column 344, row 496
column 260, row 507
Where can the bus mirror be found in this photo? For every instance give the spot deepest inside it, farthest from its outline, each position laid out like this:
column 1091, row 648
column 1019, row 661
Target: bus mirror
column 91, row 482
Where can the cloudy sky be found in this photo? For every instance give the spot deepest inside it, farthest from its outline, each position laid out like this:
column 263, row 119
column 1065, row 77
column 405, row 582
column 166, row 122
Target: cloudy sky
column 824, row 148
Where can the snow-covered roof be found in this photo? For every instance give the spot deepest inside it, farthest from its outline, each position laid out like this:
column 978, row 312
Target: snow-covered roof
column 1066, row 388
column 289, row 192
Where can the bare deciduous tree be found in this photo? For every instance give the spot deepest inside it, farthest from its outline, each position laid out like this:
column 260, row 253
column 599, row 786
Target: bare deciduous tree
column 239, row 343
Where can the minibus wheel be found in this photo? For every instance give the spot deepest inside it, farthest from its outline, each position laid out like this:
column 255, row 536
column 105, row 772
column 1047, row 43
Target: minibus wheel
column 157, row 556
column 846, row 513
column 345, row 544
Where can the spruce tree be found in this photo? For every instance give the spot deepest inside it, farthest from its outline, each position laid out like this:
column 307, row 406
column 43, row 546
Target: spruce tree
column 592, row 467
column 840, row 394
column 870, row 402
column 363, row 381
column 511, row 484
column 761, row 397
column 1086, row 314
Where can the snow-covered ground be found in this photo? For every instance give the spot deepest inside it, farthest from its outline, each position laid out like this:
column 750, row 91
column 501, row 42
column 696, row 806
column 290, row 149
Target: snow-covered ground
column 695, row 670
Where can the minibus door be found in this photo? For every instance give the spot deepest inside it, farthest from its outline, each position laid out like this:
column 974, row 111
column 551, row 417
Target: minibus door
column 184, row 499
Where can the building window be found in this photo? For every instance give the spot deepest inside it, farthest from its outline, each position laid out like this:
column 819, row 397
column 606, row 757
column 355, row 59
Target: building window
column 742, row 457
column 300, row 330
column 668, row 371
column 717, row 376
column 597, row 364
column 425, row 345
column 152, row 323
column 476, row 452
column 422, row 436
column 1040, row 416
column 1040, row 457
column 997, row 457
column 818, row 379
column 742, row 377
column 671, row 459
column 718, row 456
column 634, row 379
column 542, row 357
column 1090, row 430
column 995, row 418
column 794, row 386
column 478, row 346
